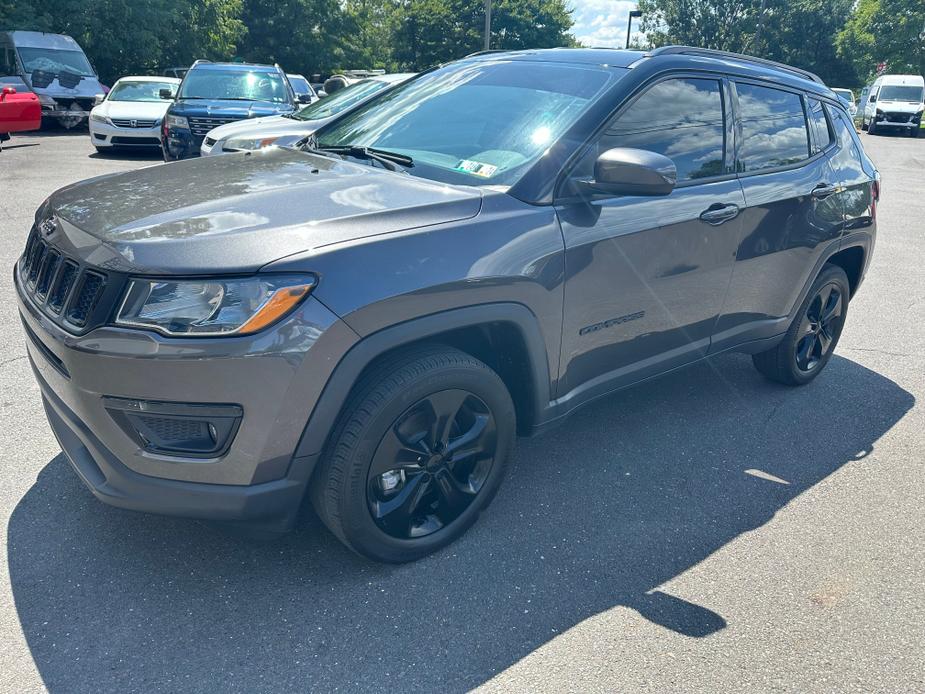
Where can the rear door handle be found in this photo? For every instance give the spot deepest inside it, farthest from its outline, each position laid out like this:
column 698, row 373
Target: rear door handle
column 824, row 190
column 717, row 213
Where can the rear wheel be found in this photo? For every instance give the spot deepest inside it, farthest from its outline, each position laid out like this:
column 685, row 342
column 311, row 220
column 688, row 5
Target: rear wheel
column 418, row 453
column 811, row 339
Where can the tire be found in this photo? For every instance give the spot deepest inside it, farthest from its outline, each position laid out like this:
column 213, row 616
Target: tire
column 863, row 124
column 871, row 128
column 914, row 132
column 809, row 342
column 443, row 497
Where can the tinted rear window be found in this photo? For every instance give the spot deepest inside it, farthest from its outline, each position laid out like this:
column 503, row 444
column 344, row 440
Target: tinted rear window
column 820, row 126
column 774, row 130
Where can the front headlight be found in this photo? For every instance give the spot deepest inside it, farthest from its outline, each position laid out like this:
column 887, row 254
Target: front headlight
column 177, row 122
column 98, row 118
column 210, row 307
column 248, row 143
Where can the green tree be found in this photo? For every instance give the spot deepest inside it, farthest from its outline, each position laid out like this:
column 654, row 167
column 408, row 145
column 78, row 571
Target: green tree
column 428, row 32
column 888, row 31
column 801, row 33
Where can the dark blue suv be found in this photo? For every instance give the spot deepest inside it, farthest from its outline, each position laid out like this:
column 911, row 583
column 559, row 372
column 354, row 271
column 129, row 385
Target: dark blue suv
column 213, row 94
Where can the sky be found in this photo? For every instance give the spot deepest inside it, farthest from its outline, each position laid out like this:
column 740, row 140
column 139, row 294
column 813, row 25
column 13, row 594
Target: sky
column 602, row 22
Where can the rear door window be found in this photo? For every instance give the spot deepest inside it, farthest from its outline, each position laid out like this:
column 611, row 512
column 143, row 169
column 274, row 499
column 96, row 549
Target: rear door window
column 822, row 135
column 773, row 128
column 679, row 118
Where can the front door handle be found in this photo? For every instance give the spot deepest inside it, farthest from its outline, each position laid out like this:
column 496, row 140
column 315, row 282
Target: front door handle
column 824, row 190
column 717, row 213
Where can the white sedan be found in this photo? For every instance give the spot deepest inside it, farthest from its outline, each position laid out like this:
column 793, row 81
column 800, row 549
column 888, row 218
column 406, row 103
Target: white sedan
column 278, row 131
column 131, row 114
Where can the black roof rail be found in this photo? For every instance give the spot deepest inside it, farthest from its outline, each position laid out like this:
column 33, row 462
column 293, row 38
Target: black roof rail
column 713, row 53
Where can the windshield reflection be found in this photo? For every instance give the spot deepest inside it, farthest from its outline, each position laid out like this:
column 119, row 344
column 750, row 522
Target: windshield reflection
column 478, row 123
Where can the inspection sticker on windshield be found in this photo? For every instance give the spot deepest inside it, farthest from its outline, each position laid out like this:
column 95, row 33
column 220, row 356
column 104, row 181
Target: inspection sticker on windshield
column 476, row 168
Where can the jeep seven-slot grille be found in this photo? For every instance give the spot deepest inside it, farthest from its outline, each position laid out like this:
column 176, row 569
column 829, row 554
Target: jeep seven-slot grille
column 58, row 284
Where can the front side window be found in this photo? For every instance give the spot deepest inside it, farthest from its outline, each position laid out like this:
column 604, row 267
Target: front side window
column 477, row 123
column 901, row 92
column 679, row 118
column 55, row 61
column 817, row 119
column 236, row 85
column 773, row 128
column 139, row 91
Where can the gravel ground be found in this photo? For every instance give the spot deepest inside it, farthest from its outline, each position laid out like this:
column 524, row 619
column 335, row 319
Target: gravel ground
column 709, row 531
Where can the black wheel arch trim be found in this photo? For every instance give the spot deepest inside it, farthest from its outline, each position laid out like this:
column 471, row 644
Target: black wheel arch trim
column 337, row 390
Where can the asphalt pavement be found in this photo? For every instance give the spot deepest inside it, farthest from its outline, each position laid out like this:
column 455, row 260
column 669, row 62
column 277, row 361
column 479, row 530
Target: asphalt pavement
column 708, row 531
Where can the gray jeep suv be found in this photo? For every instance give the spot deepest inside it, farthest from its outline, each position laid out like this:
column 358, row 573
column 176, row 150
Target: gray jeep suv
column 368, row 319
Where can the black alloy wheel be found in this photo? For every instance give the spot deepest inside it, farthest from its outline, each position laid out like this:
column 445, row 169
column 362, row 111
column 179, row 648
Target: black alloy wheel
column 806, row 347
column 819, row 327
column 431, row 464
column 418, row 453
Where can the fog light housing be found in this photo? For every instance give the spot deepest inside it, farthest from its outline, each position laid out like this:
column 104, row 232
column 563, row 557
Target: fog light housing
column 177, row 429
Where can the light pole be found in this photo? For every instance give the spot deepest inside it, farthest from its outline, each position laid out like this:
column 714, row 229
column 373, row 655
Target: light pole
column 487, row 25
column 629, row 24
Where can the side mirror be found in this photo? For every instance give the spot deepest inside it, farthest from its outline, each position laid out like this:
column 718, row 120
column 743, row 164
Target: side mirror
column 872, row 99
column 626, row 171
column 8, row 90
column 166, row 93
column 98, row 99
column 304, row 98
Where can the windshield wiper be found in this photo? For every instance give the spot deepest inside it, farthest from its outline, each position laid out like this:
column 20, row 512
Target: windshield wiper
column 393, row 161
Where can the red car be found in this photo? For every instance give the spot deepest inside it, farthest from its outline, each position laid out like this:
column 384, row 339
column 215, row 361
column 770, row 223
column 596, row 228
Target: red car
column 18, row 112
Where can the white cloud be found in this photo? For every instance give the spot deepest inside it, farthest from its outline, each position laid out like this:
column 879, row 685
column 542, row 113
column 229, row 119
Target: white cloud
column 602, row 22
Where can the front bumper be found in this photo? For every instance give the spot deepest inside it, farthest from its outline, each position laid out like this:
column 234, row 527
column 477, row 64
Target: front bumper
column 180, row 143
column 105, row 135
column 256, row 478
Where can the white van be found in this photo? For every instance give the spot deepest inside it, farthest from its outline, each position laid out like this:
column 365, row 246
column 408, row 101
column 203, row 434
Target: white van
column 53, row 66
column 894, row 102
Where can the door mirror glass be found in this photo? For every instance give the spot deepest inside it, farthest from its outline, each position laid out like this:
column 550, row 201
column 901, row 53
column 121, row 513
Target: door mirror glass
column 166, row 93
column 627, row 171
column 873, row 98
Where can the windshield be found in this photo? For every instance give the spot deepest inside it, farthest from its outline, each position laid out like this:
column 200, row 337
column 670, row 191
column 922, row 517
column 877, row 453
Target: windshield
column 299, row 85
column 476, row 123
column 900, row 92
column 341, row 101
column 55, row 61
column 139, row 91
column 844, row 95
column 234, row 84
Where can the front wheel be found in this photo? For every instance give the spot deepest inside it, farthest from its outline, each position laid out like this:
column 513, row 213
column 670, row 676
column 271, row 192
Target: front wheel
column 418, row 453
column 811, row 339
column 914, row 132
column 871, row 128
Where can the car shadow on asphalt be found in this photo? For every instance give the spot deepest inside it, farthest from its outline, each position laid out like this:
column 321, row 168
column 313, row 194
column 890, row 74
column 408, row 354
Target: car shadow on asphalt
column 599, row 513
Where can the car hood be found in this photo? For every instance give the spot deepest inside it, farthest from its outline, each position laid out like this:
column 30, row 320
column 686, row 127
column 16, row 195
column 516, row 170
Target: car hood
column 265, row 127
column 238, row 212
column 133, row 109
column 225, row 108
